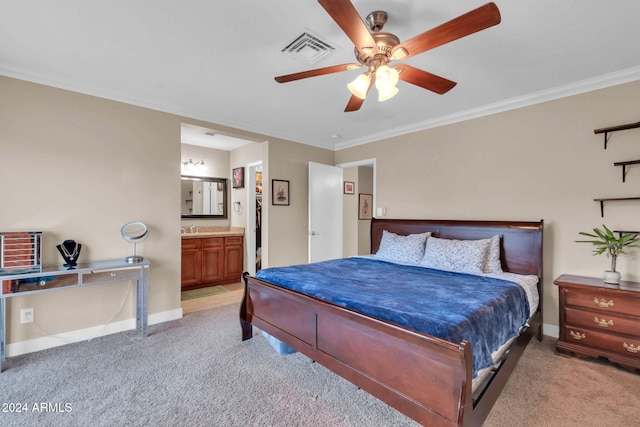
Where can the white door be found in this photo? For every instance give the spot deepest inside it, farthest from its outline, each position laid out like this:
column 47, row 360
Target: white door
column 325, row 212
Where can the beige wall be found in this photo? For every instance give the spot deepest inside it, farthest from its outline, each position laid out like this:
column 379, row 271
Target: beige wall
column 288, row 225
column 538, row 162
column 350, row 229
column 357, row 232
column 242, row 157
column 216, row 165
column 79, row 167
column 365, row 185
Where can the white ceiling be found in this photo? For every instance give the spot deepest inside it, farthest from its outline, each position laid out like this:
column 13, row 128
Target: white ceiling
column 215, row 61
column 205, row 137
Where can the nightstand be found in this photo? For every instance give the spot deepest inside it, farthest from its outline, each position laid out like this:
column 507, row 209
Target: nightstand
column 600, row 320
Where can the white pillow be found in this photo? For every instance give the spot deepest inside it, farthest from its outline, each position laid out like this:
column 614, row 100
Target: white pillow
column 403, row 249
column 493, row 264
column 464, row 256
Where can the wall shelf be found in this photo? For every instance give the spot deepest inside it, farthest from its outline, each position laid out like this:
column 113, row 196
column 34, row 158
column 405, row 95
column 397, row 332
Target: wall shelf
column 624, row 167
column 611, row 199
column 622, row 232
column 609, row 130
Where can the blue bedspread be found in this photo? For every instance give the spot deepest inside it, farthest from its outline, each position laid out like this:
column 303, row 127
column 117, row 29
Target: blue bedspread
column 453, row 306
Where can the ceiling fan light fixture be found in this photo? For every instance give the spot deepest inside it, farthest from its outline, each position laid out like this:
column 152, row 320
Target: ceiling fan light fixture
column 368, row 51
column 386, row 93
column 399, row 53
column 386, row 80
column 360, row 86
column 375, row 49
column 386, row 76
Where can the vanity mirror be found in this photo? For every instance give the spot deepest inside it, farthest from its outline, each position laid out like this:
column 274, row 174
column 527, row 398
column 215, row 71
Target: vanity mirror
column 203, row 197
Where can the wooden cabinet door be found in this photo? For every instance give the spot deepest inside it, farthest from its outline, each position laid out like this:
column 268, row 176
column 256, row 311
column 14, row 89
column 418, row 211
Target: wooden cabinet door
column 233, row 258
column 212, row 259
column 191, row 267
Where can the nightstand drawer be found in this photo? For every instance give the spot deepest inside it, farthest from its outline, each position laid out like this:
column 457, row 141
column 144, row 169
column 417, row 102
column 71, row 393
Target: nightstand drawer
column 604, row 322
column 628, row 346
column 111, row 276
column 604, row 302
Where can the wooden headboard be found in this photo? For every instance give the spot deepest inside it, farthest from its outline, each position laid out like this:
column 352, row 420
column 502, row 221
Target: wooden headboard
column 520, row 242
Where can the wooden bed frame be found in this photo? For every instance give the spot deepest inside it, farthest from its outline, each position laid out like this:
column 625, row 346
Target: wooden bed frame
column 424, row 377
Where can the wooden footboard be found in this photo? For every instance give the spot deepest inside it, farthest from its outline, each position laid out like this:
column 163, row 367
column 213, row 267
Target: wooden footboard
column 426, row 378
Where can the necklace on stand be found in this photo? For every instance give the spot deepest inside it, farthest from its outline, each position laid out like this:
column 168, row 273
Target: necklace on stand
column 69, row 255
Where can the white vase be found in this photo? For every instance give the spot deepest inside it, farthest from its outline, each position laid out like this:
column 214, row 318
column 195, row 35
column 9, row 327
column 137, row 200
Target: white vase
column 611, row 277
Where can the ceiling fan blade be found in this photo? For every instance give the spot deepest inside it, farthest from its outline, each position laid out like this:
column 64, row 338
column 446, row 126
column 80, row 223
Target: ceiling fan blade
column 355, row 103
column 316, row 72
column 424, row 79
column 476, row 20
column 347, row 18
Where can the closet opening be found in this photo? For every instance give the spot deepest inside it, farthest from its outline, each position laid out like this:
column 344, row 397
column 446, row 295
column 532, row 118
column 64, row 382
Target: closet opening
column 254, row 218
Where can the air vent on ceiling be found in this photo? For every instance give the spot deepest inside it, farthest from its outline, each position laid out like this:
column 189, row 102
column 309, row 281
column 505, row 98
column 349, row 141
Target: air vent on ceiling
column 308, row 48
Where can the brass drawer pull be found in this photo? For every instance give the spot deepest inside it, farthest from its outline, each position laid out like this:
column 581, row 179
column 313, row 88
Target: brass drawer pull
column 577, row 335
column 603, row 302
column 602, row 322
column 631, row 348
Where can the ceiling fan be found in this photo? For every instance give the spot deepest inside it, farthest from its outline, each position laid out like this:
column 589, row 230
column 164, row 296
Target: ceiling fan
column 375, row 50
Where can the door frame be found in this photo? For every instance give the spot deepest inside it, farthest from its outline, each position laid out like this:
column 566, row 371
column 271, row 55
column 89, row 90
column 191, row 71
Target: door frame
column 366, row 162
column 251, row 215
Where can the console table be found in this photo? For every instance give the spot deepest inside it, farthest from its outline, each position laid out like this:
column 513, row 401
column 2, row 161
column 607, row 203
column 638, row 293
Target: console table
column 57, row 277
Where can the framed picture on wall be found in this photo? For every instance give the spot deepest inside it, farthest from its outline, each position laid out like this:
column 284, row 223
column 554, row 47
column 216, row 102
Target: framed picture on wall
column 279, row 192
column 365, row 206
column 349, row 187
column 238, row 178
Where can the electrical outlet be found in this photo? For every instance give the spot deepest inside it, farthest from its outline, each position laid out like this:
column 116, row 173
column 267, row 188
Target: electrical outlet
column 26, row 315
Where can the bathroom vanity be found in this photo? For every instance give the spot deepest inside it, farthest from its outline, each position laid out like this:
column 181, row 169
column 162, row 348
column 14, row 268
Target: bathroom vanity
column 212, row 256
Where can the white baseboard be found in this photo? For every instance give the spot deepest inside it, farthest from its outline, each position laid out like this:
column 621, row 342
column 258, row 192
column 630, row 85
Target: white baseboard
column 550, row 330
column 86, row 334
column 165, row 316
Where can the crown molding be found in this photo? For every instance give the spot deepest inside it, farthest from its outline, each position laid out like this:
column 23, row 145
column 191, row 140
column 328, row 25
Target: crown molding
column 558, row 92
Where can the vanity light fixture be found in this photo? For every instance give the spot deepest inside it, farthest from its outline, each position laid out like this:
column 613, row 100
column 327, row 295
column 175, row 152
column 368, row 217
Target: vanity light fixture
column 190, row 165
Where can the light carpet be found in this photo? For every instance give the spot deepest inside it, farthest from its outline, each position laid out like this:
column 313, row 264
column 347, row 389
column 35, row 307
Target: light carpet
column 196, row 371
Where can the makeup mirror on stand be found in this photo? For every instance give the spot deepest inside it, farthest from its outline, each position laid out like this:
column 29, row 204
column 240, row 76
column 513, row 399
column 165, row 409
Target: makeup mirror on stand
column 134, row 232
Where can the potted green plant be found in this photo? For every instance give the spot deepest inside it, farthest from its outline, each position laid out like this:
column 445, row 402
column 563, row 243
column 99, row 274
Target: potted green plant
column 607, row 242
